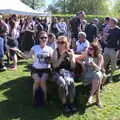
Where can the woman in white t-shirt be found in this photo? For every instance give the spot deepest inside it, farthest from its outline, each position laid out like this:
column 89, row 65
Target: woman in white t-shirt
column 41, row 64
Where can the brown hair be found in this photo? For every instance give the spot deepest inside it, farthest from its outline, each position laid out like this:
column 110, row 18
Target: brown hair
column 64, row 38
column 41, row 33
column 96, row 48
column 51, row 35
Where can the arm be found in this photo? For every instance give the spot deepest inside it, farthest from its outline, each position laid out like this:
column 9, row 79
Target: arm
column 72, row 58
column 55, row 61
column 100, row 63
column 29, row 55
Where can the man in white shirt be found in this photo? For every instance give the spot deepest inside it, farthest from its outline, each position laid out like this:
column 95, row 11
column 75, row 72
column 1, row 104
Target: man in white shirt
column 82, row 44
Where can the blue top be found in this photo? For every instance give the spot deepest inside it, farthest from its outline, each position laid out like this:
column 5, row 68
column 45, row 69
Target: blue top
column 1, row 47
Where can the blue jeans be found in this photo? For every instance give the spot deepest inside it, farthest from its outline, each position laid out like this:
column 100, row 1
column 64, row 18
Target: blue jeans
column 1, row 52
column 1, row 48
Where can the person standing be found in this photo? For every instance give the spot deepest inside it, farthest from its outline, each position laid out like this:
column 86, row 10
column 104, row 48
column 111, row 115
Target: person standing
column 4, row 30
column 113, row 46
column 91, row 30
column 76, row 26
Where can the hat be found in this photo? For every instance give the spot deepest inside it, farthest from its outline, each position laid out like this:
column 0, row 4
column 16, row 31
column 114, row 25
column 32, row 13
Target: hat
column 114, row 20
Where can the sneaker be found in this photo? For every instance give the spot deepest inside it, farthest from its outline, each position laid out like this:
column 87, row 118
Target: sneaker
column 99, row 105
column 90, row 100
column 13, row 68
column 3, row 68
column 66, row 108
column 73, row 107
column 110, row 80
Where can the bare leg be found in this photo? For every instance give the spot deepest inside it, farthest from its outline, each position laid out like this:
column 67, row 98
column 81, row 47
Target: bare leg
column 95, row 87
column 98, row 102
column 44, row 88
column 14, row 58
column 15, row 61
column 43, row 85
column 35, row 86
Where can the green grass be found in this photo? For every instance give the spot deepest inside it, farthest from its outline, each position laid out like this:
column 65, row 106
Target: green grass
column 16, row 100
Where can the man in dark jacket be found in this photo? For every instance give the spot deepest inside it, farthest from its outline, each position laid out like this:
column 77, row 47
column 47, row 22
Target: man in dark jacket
column 113, row 46
column 91, row 30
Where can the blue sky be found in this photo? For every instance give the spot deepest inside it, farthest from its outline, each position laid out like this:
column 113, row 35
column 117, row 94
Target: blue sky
column 48, row 2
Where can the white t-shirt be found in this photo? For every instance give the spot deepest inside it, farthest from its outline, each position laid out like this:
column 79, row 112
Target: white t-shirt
column 62, row 27
column 80, row 47
column 41, row 57
column 15, row 34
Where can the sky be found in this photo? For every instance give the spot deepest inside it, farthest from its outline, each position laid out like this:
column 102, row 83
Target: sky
column 48, row 2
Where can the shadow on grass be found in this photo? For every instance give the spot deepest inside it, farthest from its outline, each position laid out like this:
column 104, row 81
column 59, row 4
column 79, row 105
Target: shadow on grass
column 18, row 103
column 21, row 62
column 116, row 78
column 28, row 67
column 82, row 94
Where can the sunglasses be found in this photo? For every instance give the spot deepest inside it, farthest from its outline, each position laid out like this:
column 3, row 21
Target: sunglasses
column 91, row 49
column 43, row 37
column 61, row 42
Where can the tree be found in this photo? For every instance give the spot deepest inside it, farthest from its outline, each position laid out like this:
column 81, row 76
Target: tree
column 53, row 9
column 34, row 3
column 89, row 6
column 116, row 7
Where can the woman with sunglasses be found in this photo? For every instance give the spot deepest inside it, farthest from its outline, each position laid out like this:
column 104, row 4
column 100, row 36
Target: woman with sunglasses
column 63, row 64
column 92, row 74
column 52, row 41
column 41, row 65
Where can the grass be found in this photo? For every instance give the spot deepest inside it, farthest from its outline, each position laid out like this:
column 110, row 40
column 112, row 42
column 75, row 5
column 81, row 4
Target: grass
column 16, row 100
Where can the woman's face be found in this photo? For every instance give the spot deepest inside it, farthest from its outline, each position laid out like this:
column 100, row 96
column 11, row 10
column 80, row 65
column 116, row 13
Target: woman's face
column 90, row 51
column 50, row 39
column 61, row 44
column 43, row 39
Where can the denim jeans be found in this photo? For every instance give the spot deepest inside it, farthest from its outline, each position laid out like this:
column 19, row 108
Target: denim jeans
column 1, row 48
column 1, row 52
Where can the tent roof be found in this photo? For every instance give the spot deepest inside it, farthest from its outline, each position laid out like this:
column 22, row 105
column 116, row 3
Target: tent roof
column 16, row 7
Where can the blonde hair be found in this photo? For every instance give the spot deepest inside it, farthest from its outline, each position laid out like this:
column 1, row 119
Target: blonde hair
column 64, row 39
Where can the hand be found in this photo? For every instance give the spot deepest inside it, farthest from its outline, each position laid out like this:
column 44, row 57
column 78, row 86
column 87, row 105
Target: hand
column 78, row 58
column 91, row 63
column 70, row 52
column 14, row 49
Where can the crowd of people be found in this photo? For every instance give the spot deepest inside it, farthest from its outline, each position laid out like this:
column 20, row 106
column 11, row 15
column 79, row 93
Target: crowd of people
column 64, row 50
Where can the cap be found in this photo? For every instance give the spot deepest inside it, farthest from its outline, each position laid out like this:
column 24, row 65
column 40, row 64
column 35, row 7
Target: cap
column 114, row 20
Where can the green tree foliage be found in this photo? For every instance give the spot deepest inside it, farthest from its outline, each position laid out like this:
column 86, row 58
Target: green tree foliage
column 116, row 7
column 34, row 3
column 89, row 6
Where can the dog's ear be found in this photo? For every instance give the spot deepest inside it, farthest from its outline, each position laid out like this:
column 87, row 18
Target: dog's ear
column 78, row 68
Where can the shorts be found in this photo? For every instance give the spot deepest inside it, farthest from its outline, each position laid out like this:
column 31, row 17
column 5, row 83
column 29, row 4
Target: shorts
column 40, row 74
column 12, row 53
